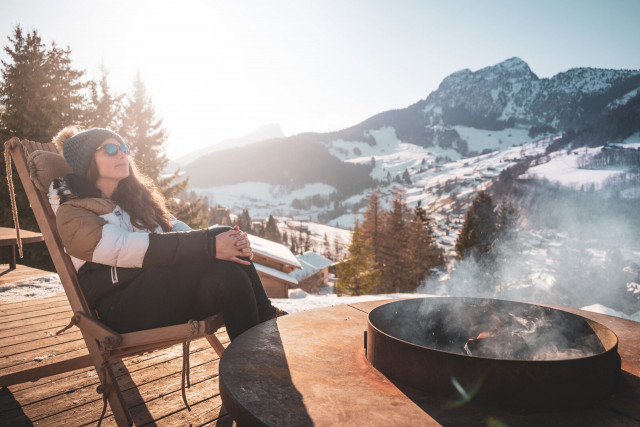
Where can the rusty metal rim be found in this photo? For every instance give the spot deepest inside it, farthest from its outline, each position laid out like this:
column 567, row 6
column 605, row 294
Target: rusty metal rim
column 613, row 347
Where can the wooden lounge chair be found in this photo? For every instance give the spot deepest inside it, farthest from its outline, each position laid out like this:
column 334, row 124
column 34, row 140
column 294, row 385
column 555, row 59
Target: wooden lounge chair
column 104, row 344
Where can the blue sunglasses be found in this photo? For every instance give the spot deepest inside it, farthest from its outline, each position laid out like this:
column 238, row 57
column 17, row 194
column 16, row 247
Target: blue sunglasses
column 112, row 149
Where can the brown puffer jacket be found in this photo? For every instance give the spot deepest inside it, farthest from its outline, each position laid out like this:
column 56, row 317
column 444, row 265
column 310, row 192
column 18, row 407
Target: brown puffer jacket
column 95, row 229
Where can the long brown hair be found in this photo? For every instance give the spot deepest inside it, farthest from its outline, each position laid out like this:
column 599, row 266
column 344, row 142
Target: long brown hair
column 139, row 197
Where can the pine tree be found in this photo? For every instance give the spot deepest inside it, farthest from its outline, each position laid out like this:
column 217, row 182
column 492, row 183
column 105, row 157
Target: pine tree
column 420, row 212
column 507, row 220
column 402, row 242
column 244, row 222
column 307, row 242
column 337, row 248
column 425, row 253
column 479, row 230
column 105, row 108
column 189, row 211
column 258, row 229
column 40, row 93
column 271, row 231
column 218, row 215
column 327, row 247
column 406, row 177
column 144, row 130
column 372, row 224
column 357, row 275
column 395, row 255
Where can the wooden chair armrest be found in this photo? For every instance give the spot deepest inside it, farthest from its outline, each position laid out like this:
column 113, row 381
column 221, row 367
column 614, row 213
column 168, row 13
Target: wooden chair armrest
column 173, row 333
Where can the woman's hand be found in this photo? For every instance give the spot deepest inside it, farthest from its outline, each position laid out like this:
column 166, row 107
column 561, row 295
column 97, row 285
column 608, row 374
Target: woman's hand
column 233, row 244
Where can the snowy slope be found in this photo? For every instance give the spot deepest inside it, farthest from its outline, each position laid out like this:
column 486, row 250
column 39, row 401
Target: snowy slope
column 563, row 168
column 261, row 198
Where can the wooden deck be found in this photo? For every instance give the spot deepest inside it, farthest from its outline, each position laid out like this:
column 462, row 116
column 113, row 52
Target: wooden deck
column 150, row 382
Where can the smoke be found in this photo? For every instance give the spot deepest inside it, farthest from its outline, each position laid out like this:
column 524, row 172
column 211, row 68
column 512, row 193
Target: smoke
column 488, row 328
column 571, row 248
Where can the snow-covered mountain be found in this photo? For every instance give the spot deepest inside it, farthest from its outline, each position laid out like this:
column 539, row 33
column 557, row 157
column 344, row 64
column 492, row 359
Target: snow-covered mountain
column 263, row 133
column 506, row 96
column 511, row 91
column 442, row 150
column 510, row 95
column 472, row 112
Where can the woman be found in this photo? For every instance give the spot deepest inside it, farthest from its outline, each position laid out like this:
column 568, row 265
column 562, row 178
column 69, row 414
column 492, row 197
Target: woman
column 139, row 267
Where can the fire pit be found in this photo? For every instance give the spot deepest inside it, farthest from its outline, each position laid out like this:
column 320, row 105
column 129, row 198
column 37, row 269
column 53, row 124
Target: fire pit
column 493, row 352
column 310, row 368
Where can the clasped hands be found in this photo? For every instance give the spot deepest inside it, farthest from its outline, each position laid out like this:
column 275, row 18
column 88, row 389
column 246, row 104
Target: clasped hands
column 233, row 244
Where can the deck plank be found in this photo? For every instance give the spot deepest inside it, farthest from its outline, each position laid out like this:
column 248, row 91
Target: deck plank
column 29, row 337
column 51, row 325
column 38, row 321
column 23, row 346
column 27, row 306
column 77, row 379
column 150, row 382
column 153, row 383
column 12, row 319
column 41, row 356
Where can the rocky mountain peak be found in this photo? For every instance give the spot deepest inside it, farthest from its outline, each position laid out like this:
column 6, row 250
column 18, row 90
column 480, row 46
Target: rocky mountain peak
column 512, row 70
column 514, row 65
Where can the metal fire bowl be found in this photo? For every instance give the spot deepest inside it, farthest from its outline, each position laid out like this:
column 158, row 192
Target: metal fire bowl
column 399, row 353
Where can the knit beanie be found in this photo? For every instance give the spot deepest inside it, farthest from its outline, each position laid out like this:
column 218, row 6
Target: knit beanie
column 78, row 149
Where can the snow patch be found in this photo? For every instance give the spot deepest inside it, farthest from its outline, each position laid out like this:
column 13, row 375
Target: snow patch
column 480, row 139
column 263, row 199
column 603, row 309
column 563, row 169
column 36, row 287
column 301, row 301
column 632, row 142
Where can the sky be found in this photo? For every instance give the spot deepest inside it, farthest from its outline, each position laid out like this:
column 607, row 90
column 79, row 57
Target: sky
column 220, row 69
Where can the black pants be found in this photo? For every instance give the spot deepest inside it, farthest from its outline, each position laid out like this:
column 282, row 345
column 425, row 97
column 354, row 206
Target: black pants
column 170, row 295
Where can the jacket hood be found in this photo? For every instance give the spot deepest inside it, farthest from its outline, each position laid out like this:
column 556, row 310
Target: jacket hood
column 71, row 186
column 77, row 191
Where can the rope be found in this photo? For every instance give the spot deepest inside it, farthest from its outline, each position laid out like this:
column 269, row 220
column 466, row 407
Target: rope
column 102, row 390
column 105, row 352
column 12, row 193
column 194, row 328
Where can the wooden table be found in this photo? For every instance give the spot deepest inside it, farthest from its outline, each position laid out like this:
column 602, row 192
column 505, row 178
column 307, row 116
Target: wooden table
column 309, row 368
column 8, row 238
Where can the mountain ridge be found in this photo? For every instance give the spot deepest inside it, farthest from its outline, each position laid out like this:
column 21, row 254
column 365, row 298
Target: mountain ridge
column 506, row 98
column 262, row 133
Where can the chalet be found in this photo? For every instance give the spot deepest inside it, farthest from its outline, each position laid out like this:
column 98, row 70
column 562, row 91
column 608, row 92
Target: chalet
column 274, row 262
column 314, row 274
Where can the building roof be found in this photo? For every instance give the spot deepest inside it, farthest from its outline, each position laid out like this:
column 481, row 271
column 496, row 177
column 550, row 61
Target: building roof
column 276, row 251
column 311, row 263
column 277, row 274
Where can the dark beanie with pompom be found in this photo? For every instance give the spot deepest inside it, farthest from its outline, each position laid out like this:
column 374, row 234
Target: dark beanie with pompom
column 78, row 150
